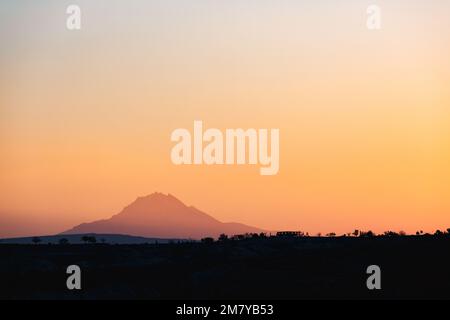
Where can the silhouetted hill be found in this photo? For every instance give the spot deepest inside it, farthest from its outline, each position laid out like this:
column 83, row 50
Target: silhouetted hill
column 100, row 238
column 162, row 216
column 263, row 268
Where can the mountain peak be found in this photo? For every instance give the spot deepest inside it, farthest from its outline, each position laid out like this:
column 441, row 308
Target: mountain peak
column 155, row 195
column 156, row 200
column 163, row 216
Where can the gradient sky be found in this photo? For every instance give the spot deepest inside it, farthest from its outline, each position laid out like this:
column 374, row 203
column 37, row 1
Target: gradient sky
column 364, row 116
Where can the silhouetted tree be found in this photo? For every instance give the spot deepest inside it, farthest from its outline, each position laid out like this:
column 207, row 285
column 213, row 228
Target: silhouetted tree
column 207, row 240
column 391, row 234
column 262, row 235
column 63, row 241
column 240, row 237
column 89, row 239
column 36, row 240
column 356, row 233
column 223, row 237
column 367, row 234
column 331, row 235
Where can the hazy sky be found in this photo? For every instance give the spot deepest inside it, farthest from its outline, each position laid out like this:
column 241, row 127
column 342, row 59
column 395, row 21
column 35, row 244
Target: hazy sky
column 364, row 116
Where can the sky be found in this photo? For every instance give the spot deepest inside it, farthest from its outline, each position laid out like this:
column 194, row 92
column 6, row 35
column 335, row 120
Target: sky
column 364, row 115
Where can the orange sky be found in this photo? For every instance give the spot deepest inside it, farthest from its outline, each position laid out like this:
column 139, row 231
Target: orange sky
column 364, row 116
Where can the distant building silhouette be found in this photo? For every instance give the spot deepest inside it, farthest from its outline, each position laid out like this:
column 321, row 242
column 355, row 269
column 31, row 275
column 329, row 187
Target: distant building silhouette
column 290, row 234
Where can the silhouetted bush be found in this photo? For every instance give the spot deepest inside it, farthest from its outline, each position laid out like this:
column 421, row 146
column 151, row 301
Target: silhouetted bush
column 63, row 241
column 367, row 234
column 223, row 237
column 89, row 239
column 207, row 240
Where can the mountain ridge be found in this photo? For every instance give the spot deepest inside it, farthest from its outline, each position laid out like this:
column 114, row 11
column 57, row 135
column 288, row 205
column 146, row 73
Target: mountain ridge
column 162, row 216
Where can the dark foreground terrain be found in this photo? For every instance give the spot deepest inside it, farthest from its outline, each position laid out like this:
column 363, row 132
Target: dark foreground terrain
column 411, row 267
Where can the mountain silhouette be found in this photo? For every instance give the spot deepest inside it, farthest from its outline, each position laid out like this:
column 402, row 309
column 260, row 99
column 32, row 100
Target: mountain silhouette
column 162, row 216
